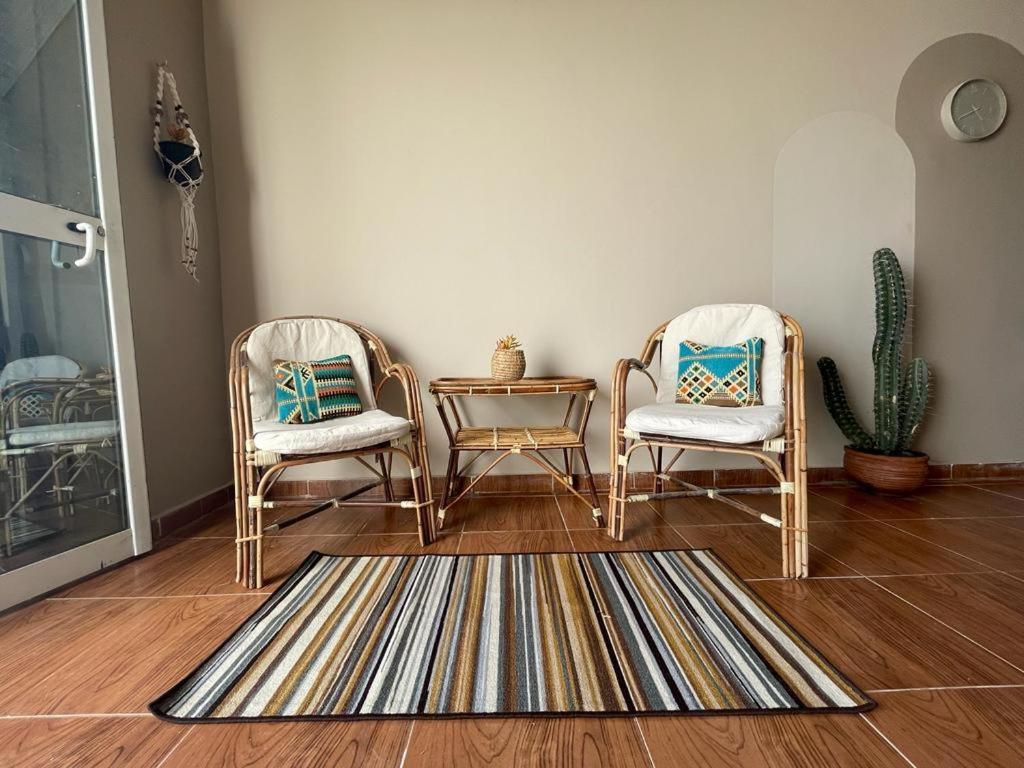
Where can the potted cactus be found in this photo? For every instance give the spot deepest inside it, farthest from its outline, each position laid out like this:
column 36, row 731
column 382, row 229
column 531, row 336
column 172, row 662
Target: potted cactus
column 884, row 461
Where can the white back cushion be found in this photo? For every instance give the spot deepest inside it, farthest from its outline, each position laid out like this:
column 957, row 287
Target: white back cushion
column 720, row 325
column 301, row 339
column 41, row 367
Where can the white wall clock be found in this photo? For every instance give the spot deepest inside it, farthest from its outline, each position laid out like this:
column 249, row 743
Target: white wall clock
column 974, row 110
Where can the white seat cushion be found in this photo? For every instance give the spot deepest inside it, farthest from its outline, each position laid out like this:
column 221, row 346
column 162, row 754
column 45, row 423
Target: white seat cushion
column 71, row 432
column 346, row 433
column 709, row 422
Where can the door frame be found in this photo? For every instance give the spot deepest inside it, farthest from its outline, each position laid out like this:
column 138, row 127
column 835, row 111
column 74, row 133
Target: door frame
column 34, row 219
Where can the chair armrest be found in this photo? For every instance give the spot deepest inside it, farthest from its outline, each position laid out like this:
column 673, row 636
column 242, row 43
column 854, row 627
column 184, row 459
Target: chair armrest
column 414, row 409
column 620, row 375
column 406, row 377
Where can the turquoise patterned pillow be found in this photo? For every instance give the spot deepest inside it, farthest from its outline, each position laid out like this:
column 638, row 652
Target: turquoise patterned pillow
column 723, row 376
column 316, row 390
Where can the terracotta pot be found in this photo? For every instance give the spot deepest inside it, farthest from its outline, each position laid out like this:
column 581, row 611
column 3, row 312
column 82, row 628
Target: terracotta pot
column 888, row 474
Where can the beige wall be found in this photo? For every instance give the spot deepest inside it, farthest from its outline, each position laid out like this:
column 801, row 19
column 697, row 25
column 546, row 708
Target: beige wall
column 970, row 246
column 449, row 172
column 844, row 186
column 178, row 329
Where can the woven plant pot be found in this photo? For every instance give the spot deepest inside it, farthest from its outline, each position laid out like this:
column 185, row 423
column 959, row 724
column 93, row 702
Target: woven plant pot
column 886, row 474
column 508, row 364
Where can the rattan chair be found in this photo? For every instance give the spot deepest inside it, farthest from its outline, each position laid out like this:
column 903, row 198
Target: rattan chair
column 773, row 433
column 264, row 448
column 57, row 428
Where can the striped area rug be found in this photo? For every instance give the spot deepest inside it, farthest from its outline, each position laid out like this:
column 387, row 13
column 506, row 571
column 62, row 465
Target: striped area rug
column 671, row 632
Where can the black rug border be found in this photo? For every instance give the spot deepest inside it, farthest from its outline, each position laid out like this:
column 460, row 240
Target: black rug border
column 869, row 705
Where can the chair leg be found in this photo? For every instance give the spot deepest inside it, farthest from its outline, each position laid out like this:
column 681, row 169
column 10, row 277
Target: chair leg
column 424, row 511
column 616, row 502
column 254, row 530
column 239, row 520
column 613, row 505
column 788, row 535
column 801, row 539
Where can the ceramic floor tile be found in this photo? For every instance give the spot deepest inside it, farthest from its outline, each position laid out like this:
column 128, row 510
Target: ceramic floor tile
column 987, row 607
column 592, row 741
column 369, row 744
column 87, row 741
column 984, row 541
column 755, row 551
column 500, row 542
column 878, row 640
column 875, row 548
column 647, row 538
column 787, row 741
column 930, row 501
column 967, row 728
column 108, row 655
column 508, row 513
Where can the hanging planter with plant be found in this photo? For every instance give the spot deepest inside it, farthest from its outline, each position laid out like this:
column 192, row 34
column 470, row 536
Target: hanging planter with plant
column 181, row 162
column 884, row 461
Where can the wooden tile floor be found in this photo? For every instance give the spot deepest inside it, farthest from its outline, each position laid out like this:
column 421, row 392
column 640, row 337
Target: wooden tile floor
column 919, row 600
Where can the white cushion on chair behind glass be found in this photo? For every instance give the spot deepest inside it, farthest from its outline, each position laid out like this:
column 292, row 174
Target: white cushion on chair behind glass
column 301, row 339
column 723, row 324
column 40, row 367
column 66, row 432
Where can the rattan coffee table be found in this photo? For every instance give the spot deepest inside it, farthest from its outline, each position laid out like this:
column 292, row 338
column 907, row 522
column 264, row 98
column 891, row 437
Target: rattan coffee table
column 530, row 442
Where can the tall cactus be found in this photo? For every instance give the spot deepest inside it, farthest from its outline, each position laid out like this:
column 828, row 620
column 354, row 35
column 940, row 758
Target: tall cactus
column 900, row 398
column 887, row 350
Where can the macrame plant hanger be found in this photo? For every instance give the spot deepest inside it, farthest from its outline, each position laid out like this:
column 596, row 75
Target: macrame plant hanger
column 181, row 162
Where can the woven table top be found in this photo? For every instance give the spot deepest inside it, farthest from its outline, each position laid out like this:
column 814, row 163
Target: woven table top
column 531, row 385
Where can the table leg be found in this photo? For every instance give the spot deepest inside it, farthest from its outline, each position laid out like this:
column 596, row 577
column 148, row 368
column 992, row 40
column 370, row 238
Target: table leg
column 446, row 491
column 598, row 516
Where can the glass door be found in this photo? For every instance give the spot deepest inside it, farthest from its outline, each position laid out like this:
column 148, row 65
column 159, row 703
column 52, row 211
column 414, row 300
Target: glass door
column 72, row 488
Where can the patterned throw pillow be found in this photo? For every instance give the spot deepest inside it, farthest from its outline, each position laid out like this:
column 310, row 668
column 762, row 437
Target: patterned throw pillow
column 723, row 376
column 315, row 390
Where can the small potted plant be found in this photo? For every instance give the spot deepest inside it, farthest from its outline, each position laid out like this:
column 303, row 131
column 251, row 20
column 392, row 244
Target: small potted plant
column 884, row 461
column 508, row 363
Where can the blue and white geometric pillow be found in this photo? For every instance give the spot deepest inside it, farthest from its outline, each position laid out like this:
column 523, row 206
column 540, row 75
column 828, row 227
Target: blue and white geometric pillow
column 316, row 390
column 723, row 376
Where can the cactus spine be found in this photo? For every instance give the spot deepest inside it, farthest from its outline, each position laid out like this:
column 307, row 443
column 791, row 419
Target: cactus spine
column 900, row 397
